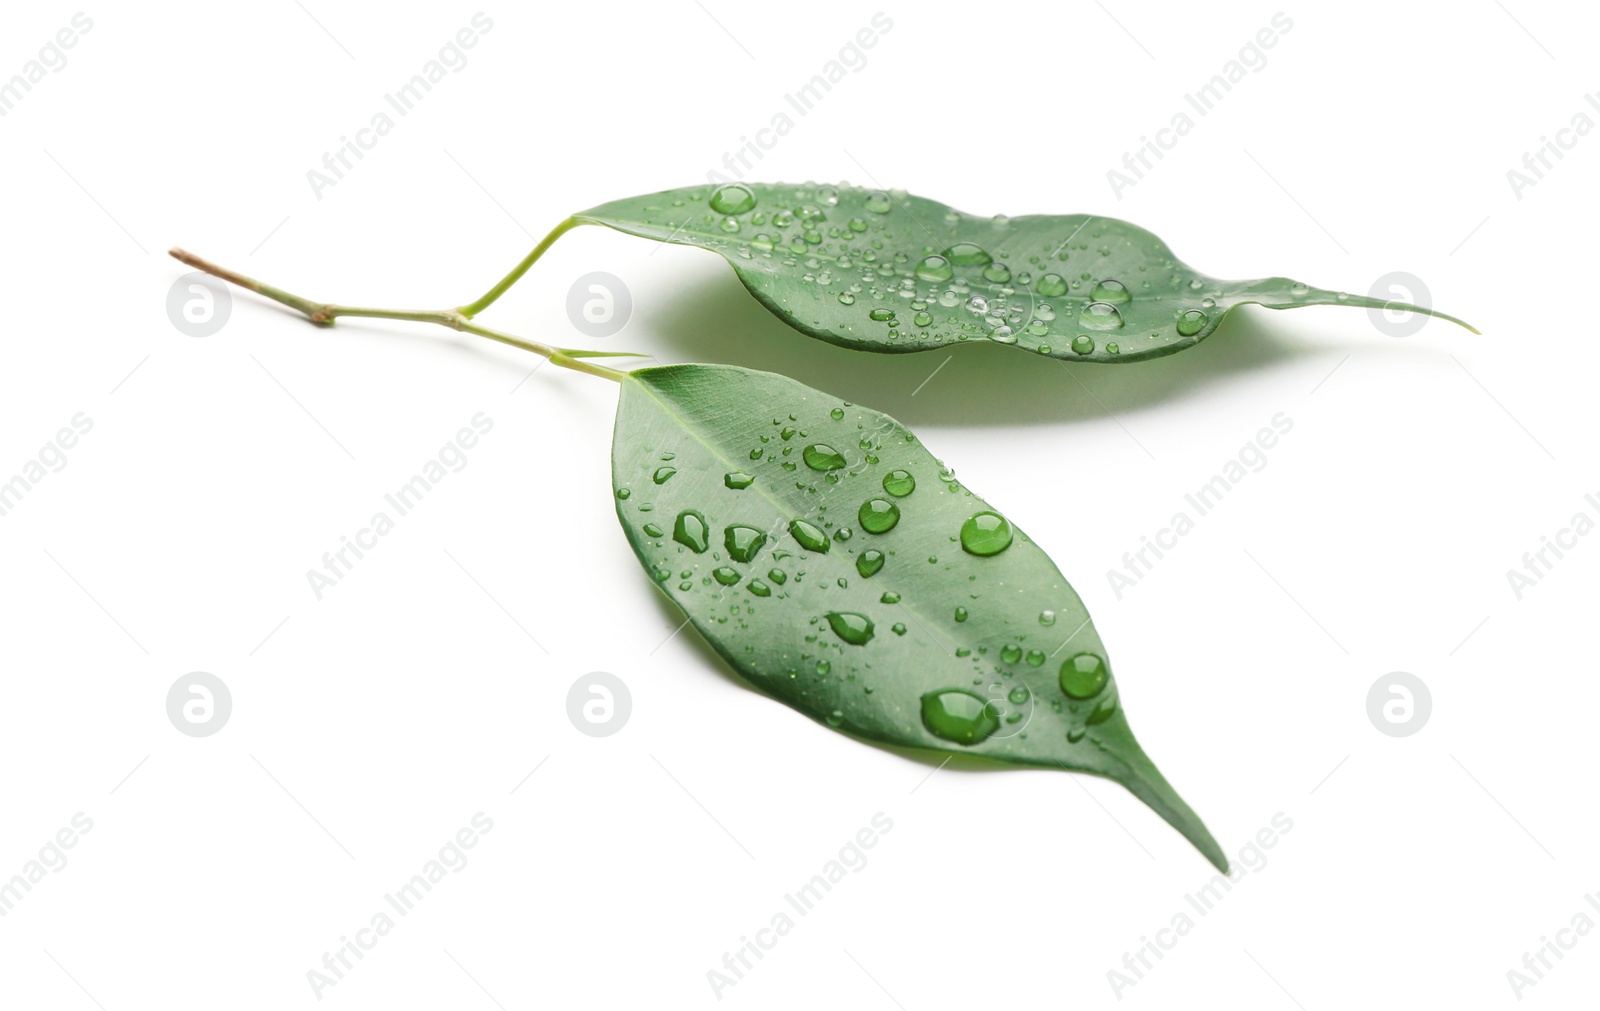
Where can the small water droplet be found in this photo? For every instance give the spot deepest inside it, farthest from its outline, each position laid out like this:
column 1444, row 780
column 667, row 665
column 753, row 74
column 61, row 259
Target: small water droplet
column 1103, row 710
column 985, row 533
column 663, row 474
column 998, row 273
column 868, row 563
column 845, row 298
column 1083, row 344
column 1035, row 658
column 1047, row 617
column 898, row 628
column 1018, row 695
column 759, row 588
column 837, row 414
column 881, row 315
column 778, row 576
column 961, row 614
column 1011, row 653
column 889, row 597
column 878, row 202
column 725, row 575
column 623, row 493
column 738, row 480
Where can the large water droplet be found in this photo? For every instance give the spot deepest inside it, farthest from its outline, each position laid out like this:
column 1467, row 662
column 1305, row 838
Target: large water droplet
column 958, row 716
column 809, row 537
column 743, row 543
column 853, row 628
column 968, row 254
column 1083, row 675
column 985, row 533
column 732, row 198
column 1111, row 291
column 1052, row 286
column 868, row 563
column 823, row 457
column 1100, row 316
column 878, row 515
column 934, row 268
column 899, row 483
column 691, row 531
column 1191, row 322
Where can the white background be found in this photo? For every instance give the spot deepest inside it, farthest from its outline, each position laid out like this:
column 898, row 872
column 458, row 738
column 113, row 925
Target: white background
column 369, row 726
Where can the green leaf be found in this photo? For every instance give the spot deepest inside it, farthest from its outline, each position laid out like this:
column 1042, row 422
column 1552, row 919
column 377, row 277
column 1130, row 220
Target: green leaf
column 838, row 567
column 893, row 272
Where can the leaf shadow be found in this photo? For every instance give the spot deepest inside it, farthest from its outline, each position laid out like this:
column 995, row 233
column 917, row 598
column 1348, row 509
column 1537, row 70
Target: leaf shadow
column 967, row 384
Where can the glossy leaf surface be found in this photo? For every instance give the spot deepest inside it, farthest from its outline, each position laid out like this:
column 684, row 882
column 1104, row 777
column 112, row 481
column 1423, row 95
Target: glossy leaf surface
column 890, row 272
column 838, row 567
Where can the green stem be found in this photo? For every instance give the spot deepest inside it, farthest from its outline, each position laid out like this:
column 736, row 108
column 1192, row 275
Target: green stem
column 500, row 287
column 324, row 313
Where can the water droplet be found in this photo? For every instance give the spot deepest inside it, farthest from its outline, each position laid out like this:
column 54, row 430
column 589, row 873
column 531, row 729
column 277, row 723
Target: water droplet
column 837, row 414
column 725, row 575
column 1076, row 734
column 1035, row 658
column 985, row 533
column 853, row 628
column 878, row 202
column 878, row 515
column 934, row 268
column 662, row 474
column 869, row 562
column 857, row 225
column 978, row 304
column 1083, row 344
column 623, row 493
column 823, row 457
column 1011, row 653
column 738, row 480
column 1111, row 291
column 1103, row 711
column 958, row 716
column 759, row 588
column 899, row 483
column 691, row 531
column 998, row 273
column 961, row 614
column 823, row 667
column 743, row 543
column 809, row 537
column 835, row 718
column 1113, row 349
column 1191, row 322
column 778, row 576
column 1047, row 617
column 1100, row 316
column 651, row 530
column 1083, row 675
column 968, row 254
column 845, row 298
column 889, row 597
column 881, row 315
column 729, row 224
column 1051, row 286
column 1208, row 303
column 898, row 628
column 1299, row 290
column 922, row 319
column 732, row 198
column 1018, row 695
